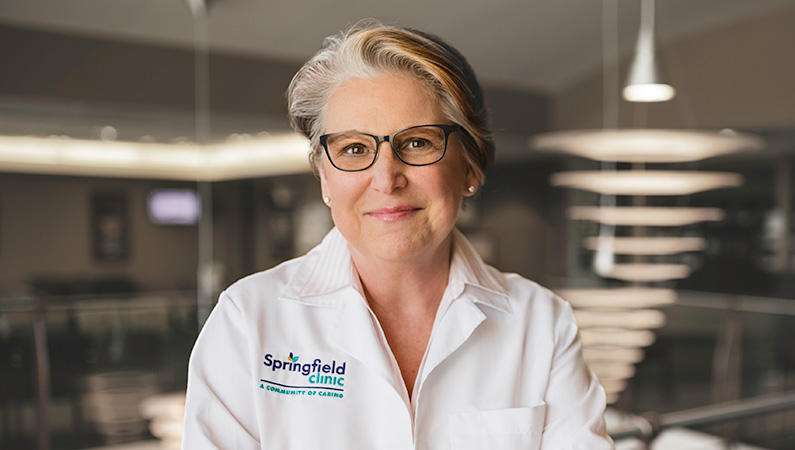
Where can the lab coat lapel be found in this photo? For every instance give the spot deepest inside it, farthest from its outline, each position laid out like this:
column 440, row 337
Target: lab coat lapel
column 454, row 329
column 329, row 278
column 358, row 334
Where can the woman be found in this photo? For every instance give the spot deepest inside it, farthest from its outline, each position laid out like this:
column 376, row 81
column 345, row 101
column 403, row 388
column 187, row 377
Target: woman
column 392, row 333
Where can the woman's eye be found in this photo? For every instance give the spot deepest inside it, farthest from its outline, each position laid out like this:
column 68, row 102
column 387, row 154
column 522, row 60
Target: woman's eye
column 354, row 150
column 416, row 144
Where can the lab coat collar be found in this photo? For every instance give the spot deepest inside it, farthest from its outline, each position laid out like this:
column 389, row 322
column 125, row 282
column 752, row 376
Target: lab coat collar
column 468, row 269
column 328, row 268
column 325, row 269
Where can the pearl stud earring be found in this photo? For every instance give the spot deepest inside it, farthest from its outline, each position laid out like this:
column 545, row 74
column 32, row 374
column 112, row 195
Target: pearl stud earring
column 326, row 201
column 471, row 189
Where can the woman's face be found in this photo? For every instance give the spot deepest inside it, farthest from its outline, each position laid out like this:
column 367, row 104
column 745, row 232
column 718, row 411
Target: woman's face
column 392, row 211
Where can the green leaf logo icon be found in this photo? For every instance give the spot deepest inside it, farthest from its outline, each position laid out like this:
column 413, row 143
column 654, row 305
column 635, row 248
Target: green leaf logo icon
column 292, row 358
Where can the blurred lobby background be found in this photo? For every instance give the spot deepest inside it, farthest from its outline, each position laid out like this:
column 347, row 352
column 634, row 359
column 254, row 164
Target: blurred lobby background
column 146, row 163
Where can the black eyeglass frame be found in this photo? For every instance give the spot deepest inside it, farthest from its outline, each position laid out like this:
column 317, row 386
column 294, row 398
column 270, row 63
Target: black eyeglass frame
column 389, row 138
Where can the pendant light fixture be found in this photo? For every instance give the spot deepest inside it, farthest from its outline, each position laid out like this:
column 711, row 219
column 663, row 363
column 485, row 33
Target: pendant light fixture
column 648, row 272
column 639, row 216
column 614, row 319
column 649, row 245
column 638, row 319
column 645, row 182
column 612, row 353
column 646, row 80
column 619, row 298
column 639, row 145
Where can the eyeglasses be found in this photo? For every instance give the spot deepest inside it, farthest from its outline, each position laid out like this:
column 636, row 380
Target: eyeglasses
column 422, row 145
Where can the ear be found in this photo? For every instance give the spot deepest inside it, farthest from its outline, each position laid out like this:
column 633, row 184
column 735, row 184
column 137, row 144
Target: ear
column 321, row 173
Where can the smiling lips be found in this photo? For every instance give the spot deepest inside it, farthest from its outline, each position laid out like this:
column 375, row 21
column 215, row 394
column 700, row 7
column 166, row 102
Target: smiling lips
column 392, row 214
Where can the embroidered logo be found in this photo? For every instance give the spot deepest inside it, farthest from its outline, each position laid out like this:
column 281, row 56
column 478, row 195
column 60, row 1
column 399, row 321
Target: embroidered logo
column 321, row 378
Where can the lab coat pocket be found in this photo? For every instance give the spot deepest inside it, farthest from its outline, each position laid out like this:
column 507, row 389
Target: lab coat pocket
column 508, row 429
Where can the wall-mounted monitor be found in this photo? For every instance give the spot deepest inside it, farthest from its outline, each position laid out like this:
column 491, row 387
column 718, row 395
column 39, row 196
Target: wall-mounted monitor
column 173, row 207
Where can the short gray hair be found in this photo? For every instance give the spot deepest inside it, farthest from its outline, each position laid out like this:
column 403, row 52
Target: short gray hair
column 370, row 48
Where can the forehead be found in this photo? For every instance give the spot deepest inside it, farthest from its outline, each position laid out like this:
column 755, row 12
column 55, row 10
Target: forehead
column 381, row 105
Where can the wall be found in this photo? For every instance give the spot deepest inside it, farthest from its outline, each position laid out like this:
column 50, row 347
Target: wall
column 129, row 76
column 45, row 230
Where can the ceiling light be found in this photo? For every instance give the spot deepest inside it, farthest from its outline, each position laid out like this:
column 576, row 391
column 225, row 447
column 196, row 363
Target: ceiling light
column 263, row 155
column 647, row 92
column 645, row 145
column 646, row 182
column 647, row 245
column 646, row 80
column 256, row 157
column 645, row 216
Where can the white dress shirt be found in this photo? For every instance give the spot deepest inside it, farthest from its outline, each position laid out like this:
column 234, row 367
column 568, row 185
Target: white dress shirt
column 294, row 358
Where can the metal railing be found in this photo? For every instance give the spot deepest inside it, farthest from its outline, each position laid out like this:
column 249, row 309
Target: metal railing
column 648, row 426
column 37, row 310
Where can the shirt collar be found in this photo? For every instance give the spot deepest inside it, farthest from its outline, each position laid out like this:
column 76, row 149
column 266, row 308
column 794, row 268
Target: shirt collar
column 468, row 269
column 328, row 268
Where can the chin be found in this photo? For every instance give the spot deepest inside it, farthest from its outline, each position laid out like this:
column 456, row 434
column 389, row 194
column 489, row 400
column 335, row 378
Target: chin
column 397, row 249
column 405, row 246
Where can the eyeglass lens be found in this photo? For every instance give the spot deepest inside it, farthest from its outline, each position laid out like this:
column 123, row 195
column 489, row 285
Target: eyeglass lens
column 415, row 146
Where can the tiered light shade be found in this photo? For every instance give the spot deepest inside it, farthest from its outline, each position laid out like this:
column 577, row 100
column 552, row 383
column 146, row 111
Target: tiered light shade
column 646, row 245
column 645, row 182
column 616, row 336
column 645, row 145
column 612, row 370
column 645, row 216
column 647, row 273
column 624, row 297
column 640, row 319
column 612, row 353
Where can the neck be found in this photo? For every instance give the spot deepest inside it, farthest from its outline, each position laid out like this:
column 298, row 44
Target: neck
column 409, row 286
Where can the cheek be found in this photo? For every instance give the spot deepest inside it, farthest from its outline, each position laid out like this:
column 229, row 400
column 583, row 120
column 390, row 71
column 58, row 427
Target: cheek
column 448, row 192
column 343, row 191
column 331, row 182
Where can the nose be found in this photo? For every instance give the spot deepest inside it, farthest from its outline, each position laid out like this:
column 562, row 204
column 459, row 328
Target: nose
column 387, row 172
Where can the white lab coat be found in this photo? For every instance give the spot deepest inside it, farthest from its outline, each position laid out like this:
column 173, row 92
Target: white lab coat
column 293, row 358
